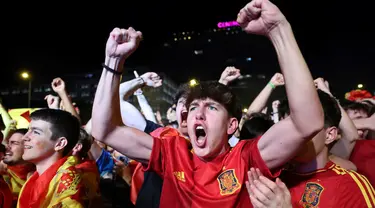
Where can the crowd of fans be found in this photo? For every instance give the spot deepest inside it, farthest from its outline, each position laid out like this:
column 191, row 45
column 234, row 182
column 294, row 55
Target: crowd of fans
column 311, row 150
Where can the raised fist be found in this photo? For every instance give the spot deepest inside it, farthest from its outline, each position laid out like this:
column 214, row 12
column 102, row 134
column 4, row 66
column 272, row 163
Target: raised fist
column 58, row 85
column 229, row 74
column 121, row 42
column 277, row 80
column 152, row 79
column 323, row 85
column 52, row 101
column 260, row 17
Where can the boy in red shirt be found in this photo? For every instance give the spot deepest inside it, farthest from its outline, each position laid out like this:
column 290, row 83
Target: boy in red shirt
column 315, row 181
column 212, row 175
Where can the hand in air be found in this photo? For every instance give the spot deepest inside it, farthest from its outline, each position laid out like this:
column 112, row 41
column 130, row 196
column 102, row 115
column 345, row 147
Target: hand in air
column 260, row 17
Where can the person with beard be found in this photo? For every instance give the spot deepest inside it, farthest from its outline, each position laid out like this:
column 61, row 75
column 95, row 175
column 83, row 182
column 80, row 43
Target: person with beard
column 17, row 170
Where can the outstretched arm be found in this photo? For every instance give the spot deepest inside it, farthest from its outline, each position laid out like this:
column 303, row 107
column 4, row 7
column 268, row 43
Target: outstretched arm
column 106, row 119
column 261, row 100
column 282, row 141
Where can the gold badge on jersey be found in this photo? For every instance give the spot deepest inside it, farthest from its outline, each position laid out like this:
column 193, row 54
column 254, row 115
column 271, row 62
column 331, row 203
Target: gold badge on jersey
column 228, row 182
column 311, row 196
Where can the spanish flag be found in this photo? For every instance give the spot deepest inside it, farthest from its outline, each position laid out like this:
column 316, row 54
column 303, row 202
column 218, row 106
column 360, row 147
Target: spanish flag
column 16, row 176
column 5, row 195
column 91, row 180
column 60, row 185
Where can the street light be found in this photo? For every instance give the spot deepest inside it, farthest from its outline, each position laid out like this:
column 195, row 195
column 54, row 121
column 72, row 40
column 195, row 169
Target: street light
column 360, row 86
column 26, row 76
column 193, row 82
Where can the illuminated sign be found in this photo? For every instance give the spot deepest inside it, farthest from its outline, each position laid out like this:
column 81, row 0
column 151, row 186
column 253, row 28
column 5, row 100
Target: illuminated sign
column 227, row 24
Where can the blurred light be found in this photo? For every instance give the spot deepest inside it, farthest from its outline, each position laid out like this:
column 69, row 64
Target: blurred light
column 174, row 34
column 189, row 37
column 193, row 82
column 25, row 75
column 198, row 52
column 360, row 86
column 244, row 110
column 184, row 38
column 183, row 33
column 214, row 30
column 175, row 39
column 248, row 59
column 209, row 40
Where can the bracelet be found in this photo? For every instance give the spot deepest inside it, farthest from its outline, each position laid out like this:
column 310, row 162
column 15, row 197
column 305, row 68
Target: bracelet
column 143, row 82
column 111, row 70
column 272, row 85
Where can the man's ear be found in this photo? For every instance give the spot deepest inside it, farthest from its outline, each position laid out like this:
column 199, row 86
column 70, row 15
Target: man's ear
column 232, row 126
column 331, row 135
column 61, row 144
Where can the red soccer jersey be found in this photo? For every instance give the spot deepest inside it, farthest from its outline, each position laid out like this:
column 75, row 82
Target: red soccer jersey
column 363, row 156
column 190, row 182
column 331, row 186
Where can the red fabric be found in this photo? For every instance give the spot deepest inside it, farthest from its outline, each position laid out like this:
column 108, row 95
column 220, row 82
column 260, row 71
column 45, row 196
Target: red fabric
column 363, row 156
column 5, row 195
column 138, row 171
column 22, row 170
column 190, row 182
column 331, row 186
column 137, row 182
column 91, row 181
column 37, row 186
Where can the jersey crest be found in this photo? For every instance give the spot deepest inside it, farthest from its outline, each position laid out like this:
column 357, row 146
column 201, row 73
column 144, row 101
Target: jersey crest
column 228, row 182
column 311, row 196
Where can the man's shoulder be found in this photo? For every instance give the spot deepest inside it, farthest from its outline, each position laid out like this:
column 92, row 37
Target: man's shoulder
column 166, row 133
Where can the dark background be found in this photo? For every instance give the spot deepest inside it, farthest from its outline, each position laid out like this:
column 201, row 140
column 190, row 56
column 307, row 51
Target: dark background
column 59, row 38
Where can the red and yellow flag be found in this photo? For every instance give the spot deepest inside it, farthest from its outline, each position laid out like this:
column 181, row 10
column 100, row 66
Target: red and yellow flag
column 60, row 185
column 16, row 176
column 91, row 180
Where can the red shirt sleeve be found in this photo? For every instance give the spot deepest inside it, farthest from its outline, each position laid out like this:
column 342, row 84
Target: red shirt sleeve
column 251, row 153
column 355, row 191
column 156, row 161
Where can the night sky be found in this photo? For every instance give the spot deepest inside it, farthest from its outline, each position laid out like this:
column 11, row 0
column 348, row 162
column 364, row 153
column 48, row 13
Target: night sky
column 336, row 37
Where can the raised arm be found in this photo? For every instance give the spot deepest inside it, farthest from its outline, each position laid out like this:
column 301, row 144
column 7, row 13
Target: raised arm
column 344, row 146
column 106, row 120
column 130, row 115
column 282, row 141
column 260, row 101
column 58, row 85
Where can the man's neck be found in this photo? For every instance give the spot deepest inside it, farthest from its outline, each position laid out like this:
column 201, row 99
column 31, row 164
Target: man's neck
column 43, row 165
column 318, row 162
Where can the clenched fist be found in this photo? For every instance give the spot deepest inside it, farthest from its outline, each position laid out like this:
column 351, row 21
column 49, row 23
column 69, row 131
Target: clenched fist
column 152, row 79
column 260, row 17
column 229, row 74
column 58, row 85
column 277, row 80
column 52, row 101
column 122, row 42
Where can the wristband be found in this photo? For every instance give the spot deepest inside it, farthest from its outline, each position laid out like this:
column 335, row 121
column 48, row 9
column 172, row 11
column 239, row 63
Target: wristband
column 272, row 85
column 111, row 70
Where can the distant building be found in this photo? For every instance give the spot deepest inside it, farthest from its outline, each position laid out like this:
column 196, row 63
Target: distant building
column 82, row 89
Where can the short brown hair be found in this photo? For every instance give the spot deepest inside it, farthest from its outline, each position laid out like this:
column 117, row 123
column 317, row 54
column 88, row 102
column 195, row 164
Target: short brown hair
column 217, row 92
